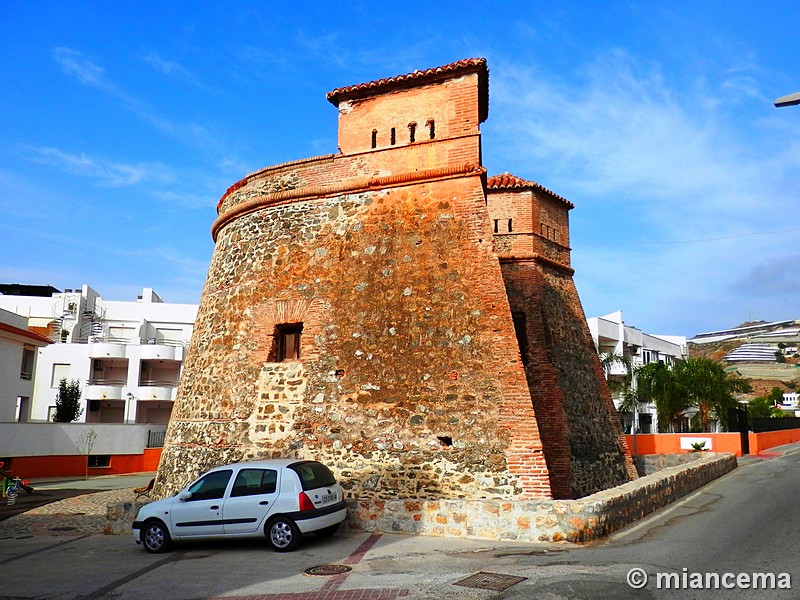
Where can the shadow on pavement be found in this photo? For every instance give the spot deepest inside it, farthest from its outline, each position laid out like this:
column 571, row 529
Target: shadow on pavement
column 39, row 497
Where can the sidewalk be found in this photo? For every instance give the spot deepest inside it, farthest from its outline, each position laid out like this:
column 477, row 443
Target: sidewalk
column 59, row 505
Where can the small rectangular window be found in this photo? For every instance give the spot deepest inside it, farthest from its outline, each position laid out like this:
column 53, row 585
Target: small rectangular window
column 60, row 371
column 26, row 370
column 99, row 460
column 509, row 226
column 496, row 225
column 288, row 340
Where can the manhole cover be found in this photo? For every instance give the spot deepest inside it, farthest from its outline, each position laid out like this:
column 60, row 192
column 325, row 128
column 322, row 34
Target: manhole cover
column 63, row 528
column 328, row 570
column 490, row 581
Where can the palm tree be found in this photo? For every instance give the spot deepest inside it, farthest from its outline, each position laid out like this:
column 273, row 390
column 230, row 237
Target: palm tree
column 696, row 382
column 656, row 383
column 708, row 388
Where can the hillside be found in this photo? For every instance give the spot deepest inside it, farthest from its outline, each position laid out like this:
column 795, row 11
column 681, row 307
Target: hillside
column 765, row 353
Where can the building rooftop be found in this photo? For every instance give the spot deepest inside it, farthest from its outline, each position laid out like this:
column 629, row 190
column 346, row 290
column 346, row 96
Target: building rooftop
column 506, row 181
column 416, row 78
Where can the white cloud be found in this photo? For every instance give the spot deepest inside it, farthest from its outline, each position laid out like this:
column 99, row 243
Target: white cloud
column 106, row 173
column 676, row 194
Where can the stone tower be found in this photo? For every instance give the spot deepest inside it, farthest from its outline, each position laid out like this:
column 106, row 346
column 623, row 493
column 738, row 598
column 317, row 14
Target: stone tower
column 368, row 309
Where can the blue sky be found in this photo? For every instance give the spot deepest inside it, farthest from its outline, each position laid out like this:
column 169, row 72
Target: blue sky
column 123, row 124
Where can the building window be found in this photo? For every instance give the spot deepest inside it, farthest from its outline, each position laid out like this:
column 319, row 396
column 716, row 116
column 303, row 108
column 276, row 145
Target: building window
column 59, row 372
column 393, row 136
column 510, row 229
column 26, row 370
column 496, row 225
column 374, row 138
column 99, row 460
column 431, row 128
column 287, row 337
column 412, row 132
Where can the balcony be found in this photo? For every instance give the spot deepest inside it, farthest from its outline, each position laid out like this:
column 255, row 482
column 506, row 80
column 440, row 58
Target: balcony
column 160, row 350
column 157, row 390
column 107, row 348
column 104, row 389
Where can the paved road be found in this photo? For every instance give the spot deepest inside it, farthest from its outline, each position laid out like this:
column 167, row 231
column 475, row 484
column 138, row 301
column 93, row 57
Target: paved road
column 744, row 522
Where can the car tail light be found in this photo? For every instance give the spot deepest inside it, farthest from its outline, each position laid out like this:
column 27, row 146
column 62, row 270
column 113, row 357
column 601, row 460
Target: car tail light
column 305, row 502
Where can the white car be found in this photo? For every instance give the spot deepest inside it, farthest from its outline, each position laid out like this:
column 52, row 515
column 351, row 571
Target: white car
column 280, row 499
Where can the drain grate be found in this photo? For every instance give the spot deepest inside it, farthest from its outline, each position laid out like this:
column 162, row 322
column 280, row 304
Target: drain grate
column 490, row 581
column 62, row 528
column 328, row 570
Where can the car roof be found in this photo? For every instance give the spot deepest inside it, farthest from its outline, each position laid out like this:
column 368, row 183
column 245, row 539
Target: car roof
column 274, row 463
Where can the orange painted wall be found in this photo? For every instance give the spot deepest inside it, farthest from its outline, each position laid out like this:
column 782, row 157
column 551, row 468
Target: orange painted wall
column 670, row 443
column 770, row 439
column 29, row 467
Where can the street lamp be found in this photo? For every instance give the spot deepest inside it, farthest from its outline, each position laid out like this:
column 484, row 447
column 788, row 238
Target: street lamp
column 790, row 100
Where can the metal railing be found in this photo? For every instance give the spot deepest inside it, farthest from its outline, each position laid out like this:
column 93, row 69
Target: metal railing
column 155, row 439
column 107, row 381
column 158, row 382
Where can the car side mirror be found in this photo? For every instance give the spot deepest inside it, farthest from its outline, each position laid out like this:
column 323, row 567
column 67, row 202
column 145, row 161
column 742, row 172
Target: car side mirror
column 184, row 496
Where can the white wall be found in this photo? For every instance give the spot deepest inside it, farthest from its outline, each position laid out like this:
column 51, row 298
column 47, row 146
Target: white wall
column 61, row 439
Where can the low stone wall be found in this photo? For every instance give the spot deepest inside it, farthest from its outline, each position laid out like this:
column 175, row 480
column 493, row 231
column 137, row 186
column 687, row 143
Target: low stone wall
column 119, row 517
column 647, row 464
column 580, row 520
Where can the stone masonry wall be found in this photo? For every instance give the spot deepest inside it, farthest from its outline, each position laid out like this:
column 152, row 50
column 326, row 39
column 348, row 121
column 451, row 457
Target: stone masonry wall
column 584, row 447
column 583, row 520
column 409, row 383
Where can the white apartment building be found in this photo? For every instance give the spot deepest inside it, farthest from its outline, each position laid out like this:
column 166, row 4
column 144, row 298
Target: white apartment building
column 18, row 349
column 612, row 336
column 126, row 355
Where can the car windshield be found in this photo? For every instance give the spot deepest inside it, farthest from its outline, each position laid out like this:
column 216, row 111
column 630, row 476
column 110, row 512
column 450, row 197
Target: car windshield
column 313, row 475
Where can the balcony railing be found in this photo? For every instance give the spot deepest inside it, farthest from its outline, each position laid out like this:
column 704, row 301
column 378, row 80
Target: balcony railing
column 158, row 383
column 108, row 381
column 162, row 342
column 107, row 339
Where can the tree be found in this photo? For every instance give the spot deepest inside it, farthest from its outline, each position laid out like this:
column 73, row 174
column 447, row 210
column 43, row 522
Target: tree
column 68, row 407
column 707, row 388
column 85, row 444
column 696, row 382
column 617, row 386
column 656, row 383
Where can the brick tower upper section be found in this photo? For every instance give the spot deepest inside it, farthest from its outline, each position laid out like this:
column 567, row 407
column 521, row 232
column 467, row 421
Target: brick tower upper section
column 447, row 102
column 528, row 220
column 433, row 116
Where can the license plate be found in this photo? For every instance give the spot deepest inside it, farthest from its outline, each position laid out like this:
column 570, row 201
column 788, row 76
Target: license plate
column 325, row 498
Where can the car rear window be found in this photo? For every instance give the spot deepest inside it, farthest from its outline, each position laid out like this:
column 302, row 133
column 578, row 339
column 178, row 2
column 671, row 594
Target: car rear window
column 313, row 475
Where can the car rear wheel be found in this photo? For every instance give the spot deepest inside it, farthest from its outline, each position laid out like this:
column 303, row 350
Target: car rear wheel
column 327, row 531
column 155, row 537
column 282, row 534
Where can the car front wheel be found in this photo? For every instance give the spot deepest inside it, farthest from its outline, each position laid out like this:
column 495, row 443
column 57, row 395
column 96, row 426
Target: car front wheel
column 155, row 537
column 282, row 534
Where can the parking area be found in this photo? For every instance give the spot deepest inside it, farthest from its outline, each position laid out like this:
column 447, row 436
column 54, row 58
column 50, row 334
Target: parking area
column 54, row 549
column 347, row 566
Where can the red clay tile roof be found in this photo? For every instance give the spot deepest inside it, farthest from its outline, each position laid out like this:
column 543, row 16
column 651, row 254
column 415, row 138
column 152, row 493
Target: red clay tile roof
column 506, row 181
column 416, row 78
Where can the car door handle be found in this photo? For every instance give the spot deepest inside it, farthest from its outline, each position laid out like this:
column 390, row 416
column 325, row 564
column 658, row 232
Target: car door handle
column 215, row 507
column 263, row 503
